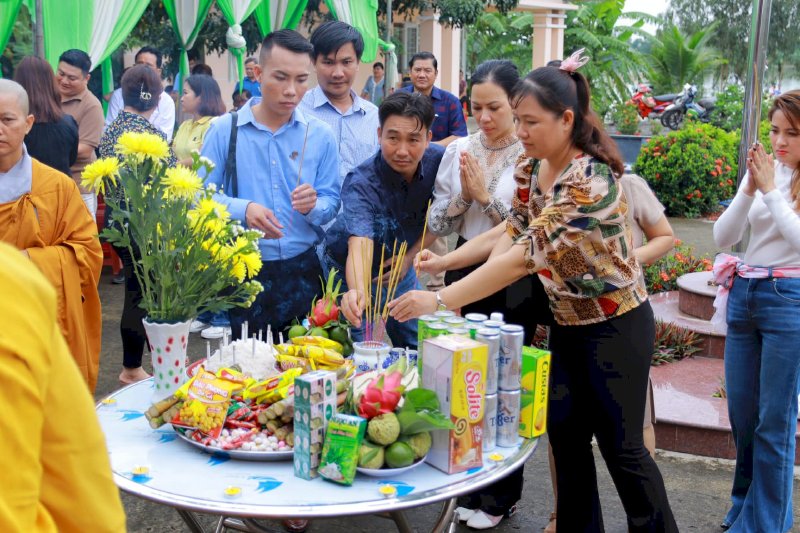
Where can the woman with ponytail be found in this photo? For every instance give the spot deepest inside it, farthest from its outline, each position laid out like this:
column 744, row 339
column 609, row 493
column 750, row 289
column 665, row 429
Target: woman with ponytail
column 569, row 228
column 761, row 295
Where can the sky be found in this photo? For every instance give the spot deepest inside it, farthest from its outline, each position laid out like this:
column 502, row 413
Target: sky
column 653, row 7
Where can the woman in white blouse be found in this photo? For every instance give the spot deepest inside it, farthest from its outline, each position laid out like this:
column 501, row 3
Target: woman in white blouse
column 475, row 186
column 762, row 361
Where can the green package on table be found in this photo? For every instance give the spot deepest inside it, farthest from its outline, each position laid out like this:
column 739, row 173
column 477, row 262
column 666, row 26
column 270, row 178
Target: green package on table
column 340, row 452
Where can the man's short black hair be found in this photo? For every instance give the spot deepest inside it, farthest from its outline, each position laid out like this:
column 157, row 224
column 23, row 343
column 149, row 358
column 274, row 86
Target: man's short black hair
column 423, row 56
column 378, row 64
column 78, row 59
column 150, row 50
column 328, row 38
column 414, row 105
column 251, row 59
column 287, row 39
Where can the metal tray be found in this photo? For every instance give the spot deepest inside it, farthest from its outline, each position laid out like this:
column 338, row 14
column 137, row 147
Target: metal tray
column 238, row 454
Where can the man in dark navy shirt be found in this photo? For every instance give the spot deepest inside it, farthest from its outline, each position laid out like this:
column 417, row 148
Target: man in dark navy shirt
column 449, row 122
column 386, row 198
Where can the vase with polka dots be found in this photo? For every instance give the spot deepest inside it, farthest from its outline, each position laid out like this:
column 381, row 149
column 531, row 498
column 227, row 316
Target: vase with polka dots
column 167, row 343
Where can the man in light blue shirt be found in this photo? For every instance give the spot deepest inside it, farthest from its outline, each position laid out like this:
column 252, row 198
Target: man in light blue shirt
column 283, row 179
column 337, row 52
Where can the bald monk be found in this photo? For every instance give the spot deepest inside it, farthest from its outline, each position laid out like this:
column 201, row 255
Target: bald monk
column 56, row 472
column 43, row 215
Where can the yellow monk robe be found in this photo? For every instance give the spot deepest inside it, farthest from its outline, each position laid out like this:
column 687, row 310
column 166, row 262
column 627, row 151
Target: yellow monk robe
column 54, row 226
column 53, row 458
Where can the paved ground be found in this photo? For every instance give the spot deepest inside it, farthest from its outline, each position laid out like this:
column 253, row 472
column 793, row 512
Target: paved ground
column 697, row 487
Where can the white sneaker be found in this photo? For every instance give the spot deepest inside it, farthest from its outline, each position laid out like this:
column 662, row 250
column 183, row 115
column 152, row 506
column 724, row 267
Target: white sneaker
column 197, row 326
column 481, row 520
column 214, row 332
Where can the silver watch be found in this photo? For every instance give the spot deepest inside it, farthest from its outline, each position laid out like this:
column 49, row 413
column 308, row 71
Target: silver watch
column 439, row 303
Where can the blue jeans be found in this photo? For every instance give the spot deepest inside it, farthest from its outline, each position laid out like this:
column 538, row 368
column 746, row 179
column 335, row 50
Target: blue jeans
column 219, row 320
column 761, row 372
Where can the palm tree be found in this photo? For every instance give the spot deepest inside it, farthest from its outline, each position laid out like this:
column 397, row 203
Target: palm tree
column 676, row 58
column 597, row 26
column 501, row 36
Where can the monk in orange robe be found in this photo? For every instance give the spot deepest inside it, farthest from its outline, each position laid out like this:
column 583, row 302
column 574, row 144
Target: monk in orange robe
column 43, row 215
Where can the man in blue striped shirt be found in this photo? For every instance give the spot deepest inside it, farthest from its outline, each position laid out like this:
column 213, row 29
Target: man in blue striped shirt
column 337, row 52
column 283, row 179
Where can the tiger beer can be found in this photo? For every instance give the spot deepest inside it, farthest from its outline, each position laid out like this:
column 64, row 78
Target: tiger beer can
column 510, row 360
column 496, row 316
column 474, row 323
column 491, row 338
column 455, row 321
column 494, row 324
column 508, row 418
column 476, row 317
column 489, row 422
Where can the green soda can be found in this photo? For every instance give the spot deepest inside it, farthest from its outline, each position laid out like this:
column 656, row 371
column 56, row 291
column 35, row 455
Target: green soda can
column 444, row 314
column 423, row 332
column 458, row 330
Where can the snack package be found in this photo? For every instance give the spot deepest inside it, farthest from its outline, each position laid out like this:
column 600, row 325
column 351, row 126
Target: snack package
column 272, row 389
column 533, row 399
column 206, row 404
column 340, row 452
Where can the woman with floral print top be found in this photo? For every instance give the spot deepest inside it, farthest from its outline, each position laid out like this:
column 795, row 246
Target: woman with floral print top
column 569, row 228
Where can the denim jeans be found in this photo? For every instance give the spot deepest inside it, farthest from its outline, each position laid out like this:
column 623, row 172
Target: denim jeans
column 217, row 320
column 761, row 373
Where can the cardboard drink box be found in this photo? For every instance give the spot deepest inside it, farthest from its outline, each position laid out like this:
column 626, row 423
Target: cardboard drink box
column 533, row 398
column 314, row 405
column 455, row 367
column 340, row 453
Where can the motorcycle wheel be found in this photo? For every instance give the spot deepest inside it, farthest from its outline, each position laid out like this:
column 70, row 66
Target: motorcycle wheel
column 672, row 119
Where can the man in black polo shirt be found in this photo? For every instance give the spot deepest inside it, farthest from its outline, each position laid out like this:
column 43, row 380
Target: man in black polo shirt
column 386, row 198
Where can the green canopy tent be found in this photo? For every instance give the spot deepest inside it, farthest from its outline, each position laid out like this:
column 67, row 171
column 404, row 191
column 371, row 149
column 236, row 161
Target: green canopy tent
column 187, row 17
column 235, row 12
column 362, row 14
column 9, row 9
column 274, row 15
column 96, row 26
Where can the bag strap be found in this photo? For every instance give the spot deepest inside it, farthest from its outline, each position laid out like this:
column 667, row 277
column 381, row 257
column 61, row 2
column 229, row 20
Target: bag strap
column 230, row 179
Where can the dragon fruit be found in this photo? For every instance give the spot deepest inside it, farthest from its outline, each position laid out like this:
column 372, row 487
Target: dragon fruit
column 325, row 309
column 381, row 395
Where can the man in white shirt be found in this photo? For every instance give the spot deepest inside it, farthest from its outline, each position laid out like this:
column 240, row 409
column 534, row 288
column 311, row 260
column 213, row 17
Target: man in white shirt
column 163, row 117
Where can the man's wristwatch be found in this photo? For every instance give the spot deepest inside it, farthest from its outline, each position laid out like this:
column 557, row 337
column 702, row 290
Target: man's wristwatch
column 439, row 303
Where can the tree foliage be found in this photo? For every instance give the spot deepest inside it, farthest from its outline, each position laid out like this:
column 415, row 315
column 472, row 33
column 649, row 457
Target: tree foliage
column 597, row 26
column 676, row 58
column 501, row 36
column 458, row 13
column 733, row 32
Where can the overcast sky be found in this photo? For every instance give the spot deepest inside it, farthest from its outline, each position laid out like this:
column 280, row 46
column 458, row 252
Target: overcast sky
column 653, row 7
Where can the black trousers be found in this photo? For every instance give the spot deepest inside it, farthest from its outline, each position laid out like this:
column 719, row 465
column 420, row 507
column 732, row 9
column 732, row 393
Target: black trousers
column 289, row 287
column 598, row 386
column 131, row 328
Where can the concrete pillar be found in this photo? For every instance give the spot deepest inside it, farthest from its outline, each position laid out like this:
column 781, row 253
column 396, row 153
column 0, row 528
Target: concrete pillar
column 548, row 36
column 450, row 59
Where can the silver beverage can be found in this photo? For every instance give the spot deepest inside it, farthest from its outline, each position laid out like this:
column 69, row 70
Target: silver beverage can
column 441, row 315
column 455, row 321
column 509, row 370
column 458, row 330
column 494, row 324
column 496, row 316
column 508, row 418
column 490, row 337
column 476, row 317
column 489, row 436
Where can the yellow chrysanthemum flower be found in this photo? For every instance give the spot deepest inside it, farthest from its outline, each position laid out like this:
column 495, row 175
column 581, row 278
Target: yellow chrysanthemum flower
column 207, row 206
column 182, row 182
column 253, row 263
column 143, row 145
column 239, row 271
column 94, row 176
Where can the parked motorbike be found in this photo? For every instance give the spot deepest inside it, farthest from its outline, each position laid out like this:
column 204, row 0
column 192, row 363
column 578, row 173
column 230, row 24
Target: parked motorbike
column 647, row 104
column 684, row 105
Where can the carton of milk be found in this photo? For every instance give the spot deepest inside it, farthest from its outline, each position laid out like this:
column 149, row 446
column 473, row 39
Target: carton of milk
column 314, row 405
column 533, row 397
column 455, row 367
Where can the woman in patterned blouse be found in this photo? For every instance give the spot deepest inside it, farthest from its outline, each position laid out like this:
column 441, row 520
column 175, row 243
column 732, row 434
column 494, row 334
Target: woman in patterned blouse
column 141, row 88
column 569, row 228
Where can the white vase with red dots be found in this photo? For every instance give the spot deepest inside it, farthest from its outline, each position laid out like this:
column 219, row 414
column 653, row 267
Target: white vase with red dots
column 167, row 343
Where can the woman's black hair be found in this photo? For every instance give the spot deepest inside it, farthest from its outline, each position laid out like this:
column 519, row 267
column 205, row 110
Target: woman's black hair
column 332, row 35
column 556, row 91
column 404, row 104
column 206, row 87
column 141, row 88
column 501, row 72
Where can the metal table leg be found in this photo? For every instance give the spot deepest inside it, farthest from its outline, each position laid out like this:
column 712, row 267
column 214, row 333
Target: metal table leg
column 190, row 521
column 447, row 518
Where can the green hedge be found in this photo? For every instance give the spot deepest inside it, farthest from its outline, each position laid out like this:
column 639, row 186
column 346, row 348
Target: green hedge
column 692, row 169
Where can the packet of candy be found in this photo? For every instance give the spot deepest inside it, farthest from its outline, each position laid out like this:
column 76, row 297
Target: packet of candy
column 272, row 389
column 206, row 404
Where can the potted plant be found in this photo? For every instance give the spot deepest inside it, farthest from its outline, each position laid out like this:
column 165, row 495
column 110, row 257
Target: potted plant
column 190, row 257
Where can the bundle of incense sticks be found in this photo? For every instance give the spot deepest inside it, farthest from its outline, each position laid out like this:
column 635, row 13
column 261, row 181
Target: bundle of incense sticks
column 376, row 308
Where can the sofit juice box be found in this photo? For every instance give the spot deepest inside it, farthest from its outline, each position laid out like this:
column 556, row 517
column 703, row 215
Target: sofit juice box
column 340, row 453
column 314, row 406
column 533, row 400
column 455, row 367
